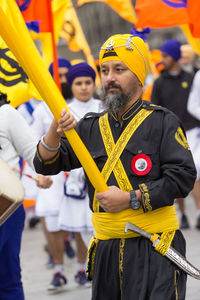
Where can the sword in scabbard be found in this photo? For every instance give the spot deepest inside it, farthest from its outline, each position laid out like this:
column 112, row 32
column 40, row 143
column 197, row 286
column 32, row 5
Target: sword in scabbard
column 171, row 253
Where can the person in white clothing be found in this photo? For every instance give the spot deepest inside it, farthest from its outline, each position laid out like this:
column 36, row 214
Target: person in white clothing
column 48, row 201
column 31, row 190
column 193, row 137
column 16, row 139
column 75, row 214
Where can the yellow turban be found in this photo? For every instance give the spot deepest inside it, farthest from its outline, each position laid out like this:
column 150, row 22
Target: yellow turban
column 130, row 50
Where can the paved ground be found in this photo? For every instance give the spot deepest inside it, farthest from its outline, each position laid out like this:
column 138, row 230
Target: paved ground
column 36, row 277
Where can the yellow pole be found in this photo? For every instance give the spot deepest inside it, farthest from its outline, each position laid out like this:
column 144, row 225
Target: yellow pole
column 22, row 46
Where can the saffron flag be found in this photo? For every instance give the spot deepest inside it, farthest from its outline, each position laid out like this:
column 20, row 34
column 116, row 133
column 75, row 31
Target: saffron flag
column 72, row 32
column 167, row 13
column 193, row 8
column 59, row 8
column 122, row 7
column 37, row 11
column 161, row 13
column 39, row 16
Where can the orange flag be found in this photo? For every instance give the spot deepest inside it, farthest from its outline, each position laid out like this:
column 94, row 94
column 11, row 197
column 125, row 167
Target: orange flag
column 122, row 7
column 39, row 14
column 161, row 13
column 167, row 13
column 37, row 11
column 193, row 8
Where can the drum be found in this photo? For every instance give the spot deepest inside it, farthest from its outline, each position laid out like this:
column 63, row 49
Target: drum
column 11, row 191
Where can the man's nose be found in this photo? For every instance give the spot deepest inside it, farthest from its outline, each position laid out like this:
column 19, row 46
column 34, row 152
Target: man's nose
column 63, row 78
column 111, row 76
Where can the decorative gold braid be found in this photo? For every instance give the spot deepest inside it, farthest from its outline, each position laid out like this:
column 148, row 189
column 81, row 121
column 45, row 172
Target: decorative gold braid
column 165, row 242
column 114, row 151
column 126, row 118
column 91, row 256
column 176, row 278
column 48, row 162
column 109, row 145
column 181, row 139
column 145, row 197
column 121, row 259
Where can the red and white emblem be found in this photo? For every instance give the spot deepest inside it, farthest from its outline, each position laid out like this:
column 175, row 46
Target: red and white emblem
column 141, row 164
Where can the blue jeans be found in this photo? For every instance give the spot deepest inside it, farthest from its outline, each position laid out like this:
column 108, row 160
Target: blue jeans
column 10, row 244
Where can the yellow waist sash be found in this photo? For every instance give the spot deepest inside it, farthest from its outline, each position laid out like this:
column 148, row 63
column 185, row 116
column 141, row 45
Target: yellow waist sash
column 111, row 225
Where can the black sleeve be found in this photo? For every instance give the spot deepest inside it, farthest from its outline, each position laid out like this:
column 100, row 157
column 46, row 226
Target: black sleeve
column 65, row 160
column 178, row 171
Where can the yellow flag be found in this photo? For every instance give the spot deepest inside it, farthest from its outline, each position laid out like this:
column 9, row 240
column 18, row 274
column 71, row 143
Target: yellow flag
column 13, row 80
column 59, row 8
column 122, row 7
column 194, row 42
column 72, row 32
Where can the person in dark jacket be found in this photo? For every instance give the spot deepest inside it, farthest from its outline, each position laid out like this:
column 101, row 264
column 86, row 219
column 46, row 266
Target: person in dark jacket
column 171, row 90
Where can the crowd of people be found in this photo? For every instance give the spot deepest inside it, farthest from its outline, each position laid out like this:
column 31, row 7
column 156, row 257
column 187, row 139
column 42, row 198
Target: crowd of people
column 148, row 153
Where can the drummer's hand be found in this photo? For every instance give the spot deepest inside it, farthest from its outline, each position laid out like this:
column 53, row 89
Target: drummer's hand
column 44, row 182
column 66, row 122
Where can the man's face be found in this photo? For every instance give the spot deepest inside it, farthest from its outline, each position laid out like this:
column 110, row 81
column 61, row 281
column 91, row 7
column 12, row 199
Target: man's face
column 62, row 74
column 119, row 85
column 168, row 61
column 83, row 88
column 116, row 77
column 65, row 89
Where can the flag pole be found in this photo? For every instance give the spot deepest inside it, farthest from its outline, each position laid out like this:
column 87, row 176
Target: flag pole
column 30, row 60
column 55, row 57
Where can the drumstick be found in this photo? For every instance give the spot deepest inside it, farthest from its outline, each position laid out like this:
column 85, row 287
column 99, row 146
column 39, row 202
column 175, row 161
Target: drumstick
column 25, row 174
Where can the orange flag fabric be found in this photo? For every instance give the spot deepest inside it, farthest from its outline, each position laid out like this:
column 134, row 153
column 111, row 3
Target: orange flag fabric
column 193, row 8
column 122, row 7
column 167, row 13
column 161, row 13
column 36, row 10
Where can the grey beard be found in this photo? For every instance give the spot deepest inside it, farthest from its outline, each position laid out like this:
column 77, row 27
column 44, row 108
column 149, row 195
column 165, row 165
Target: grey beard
column 114, row 102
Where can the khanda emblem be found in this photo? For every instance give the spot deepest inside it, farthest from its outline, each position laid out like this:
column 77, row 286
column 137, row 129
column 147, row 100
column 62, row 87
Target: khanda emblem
column 181, row 139
column 69, row 30
column 176, row 3
column 9, row 67
column 23, row 4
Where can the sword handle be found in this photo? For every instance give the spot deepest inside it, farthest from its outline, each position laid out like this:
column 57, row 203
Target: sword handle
column 132, row 227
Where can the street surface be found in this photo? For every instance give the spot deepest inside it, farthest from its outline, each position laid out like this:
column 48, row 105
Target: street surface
column 36, row 277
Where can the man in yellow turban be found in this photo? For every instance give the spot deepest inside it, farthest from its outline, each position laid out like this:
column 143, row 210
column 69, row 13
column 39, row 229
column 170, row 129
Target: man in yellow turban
column 142, row 153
